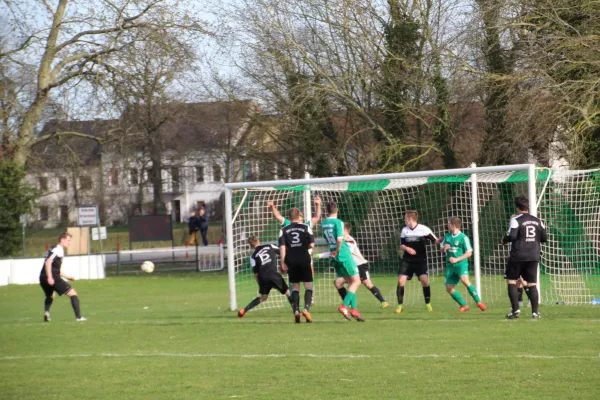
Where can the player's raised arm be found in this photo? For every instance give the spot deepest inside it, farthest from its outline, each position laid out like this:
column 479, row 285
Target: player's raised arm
column 275, row 212
column 317, row 215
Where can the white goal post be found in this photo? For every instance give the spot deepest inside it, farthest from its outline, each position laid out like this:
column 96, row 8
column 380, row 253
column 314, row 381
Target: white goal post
column 481, row 196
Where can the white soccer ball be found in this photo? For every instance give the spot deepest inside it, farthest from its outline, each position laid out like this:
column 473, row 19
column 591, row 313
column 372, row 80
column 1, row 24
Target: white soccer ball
column 148, row 267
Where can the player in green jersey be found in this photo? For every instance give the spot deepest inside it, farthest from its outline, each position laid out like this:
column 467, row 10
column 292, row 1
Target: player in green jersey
column 343, row 262
column 457, row 247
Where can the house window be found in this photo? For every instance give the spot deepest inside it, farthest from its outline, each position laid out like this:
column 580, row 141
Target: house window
column 43, row 213
column 217, row 173
column 199, row 174
column 113, row 177
column 134, row 176
column 265, row 171
column 175, row 178
column 282, row 171
column 62, row 184
column 85, row 182
column 64, row 213
column 43, row 181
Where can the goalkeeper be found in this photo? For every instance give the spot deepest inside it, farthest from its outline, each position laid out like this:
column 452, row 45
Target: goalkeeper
column 458, row 250
column 363, row 268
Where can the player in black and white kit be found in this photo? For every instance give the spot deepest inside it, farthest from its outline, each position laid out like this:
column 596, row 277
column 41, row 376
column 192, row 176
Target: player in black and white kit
column 525, row 234
column 264, row 264
column 414, row 261
column 51, row 278
column 295, row 241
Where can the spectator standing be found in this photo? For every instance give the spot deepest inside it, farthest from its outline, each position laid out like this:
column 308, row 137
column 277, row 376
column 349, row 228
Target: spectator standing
column 194, row 225
column 203, row 222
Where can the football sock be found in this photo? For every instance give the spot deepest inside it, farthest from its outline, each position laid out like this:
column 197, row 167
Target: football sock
column 342, row 292
column 427, row 294
column 354, row 303
column 534, row 296
column 458, row 298
column 377, row 293
column 252, row 304
column 349, row 299
column 75, row 304
column 520, row 294
column 308, row 299
column 473, row 293
column 47, row 303
column 295, row 301
column 527, row 289
column 400, row 294
column 513, row 295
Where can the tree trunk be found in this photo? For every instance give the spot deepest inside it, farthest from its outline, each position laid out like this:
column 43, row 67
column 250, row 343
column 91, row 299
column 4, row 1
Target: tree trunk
column 44, row 80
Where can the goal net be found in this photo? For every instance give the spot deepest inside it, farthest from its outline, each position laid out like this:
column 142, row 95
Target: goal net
column 567, row 201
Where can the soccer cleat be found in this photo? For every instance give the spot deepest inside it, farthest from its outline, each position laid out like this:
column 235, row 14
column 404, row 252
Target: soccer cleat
column 429, row 307
column 481, row 306
column 513, row 314
column 357, row 316
column 344, row 311
column 536, row 315
column 307, row 316
column 81, row 319
column 385, row 304
column 47, row 317
column 463, row 308
column 242, row 312
column 399, row 309
column 297, row 317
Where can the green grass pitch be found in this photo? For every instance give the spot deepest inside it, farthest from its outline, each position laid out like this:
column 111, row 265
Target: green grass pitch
column 172, row 337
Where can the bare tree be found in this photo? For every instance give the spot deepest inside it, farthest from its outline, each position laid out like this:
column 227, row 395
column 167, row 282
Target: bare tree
column 72, row 41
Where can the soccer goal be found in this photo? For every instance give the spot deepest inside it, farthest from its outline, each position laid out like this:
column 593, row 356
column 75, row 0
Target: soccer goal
column 567, row 201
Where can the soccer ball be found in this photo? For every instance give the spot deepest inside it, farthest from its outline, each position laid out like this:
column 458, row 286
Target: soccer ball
column 148, row 267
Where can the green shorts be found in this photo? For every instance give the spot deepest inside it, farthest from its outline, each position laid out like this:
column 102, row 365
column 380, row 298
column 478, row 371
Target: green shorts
column 345, row 268
column 454, row 272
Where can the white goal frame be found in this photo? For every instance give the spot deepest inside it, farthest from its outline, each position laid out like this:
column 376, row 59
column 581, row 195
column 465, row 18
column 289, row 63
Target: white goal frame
column 473, row 171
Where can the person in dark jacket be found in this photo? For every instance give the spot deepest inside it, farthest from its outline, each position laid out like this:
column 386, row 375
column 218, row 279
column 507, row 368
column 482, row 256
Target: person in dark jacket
column 194, row 224
column 203, row 223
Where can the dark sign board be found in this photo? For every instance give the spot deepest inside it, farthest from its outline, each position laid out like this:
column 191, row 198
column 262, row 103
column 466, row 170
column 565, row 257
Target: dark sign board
column 150, row 228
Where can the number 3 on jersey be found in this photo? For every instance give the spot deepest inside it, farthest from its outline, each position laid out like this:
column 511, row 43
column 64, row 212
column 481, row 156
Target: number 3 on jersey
column 295, row 237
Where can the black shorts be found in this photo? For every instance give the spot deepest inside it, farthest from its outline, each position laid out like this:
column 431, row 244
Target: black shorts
column 299, row 270
column 363, row 272
column 409, row 269
column 272, row 282
column 525, row 269
column 61, row 287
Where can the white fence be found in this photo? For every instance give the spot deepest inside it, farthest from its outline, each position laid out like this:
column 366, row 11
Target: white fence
column 27, row 270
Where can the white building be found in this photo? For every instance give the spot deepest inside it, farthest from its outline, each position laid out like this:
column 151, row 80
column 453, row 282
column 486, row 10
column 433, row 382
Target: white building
column 202, row 147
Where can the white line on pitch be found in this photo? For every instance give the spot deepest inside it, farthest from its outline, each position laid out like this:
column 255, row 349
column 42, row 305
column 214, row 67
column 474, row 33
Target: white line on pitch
column 258, row 319
column 218, row 355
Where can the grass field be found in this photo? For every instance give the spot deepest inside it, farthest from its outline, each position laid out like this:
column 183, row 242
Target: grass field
column 171, row 337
